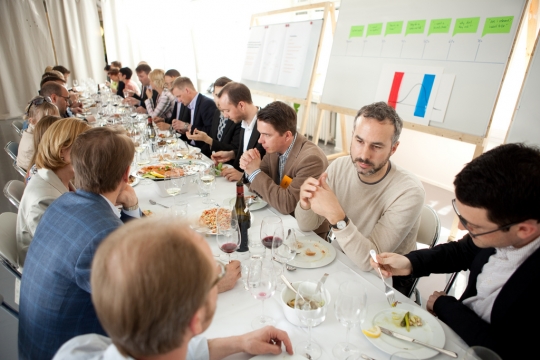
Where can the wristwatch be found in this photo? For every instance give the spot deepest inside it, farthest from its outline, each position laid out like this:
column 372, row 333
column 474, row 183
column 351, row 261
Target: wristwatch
column 131, row 208
column 341, row 224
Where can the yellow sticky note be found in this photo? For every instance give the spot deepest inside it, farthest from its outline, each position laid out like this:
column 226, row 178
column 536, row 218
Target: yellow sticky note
column 285, row 182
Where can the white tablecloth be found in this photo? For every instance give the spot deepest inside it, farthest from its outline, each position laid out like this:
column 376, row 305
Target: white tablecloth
column 237, row 308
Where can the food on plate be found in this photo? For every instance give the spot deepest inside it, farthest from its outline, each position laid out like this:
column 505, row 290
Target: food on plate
column 310, row 252
column 314, row 305
column 394, row 304
column 162, row 143
column 407, row 321
column 209, row 218
column 159, row 171
column 219, row 167
column 373, row 332
column 147, row 213
column 313, row 252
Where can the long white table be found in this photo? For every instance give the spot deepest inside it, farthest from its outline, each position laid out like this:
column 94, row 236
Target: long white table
column 237, row 308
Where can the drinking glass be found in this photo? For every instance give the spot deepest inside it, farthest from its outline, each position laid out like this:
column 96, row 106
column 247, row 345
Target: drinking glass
column 206, row 184
column 287, row 251
column 228, row 234
column 348, row 308
column 272, row 233
column 262, row 285
column 173, row 183
column 75, row 83
column 143, row 154
column 309, row 305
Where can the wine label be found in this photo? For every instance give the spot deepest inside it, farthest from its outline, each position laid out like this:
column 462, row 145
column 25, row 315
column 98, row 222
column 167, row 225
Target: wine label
column 285, row 182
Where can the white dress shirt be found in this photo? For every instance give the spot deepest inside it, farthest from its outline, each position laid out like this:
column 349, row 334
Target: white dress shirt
column 248, row 129
column 133, row 213
column 191, row 106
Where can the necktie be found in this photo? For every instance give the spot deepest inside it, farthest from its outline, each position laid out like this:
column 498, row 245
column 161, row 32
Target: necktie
column 221, row 127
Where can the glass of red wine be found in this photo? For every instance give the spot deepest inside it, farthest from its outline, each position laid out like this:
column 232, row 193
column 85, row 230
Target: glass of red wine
column 228, row 234
column 262, row 285
column 272, row 233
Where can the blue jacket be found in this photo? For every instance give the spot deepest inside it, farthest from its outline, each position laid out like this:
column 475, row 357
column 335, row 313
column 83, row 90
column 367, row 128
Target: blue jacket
column 55, row 302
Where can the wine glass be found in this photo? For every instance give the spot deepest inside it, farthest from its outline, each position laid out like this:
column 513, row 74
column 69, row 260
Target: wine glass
column 228, row 234
column 75, row 83
column 348, row 308
column 287, row 251
column 143, row 154
column 272, row 233
column 206, row 183
column 481, row 353
column 173, row 183
column 262, row 285
column 309, row 306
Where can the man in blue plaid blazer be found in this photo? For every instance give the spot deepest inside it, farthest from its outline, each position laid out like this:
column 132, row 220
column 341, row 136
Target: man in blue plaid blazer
column 55, row 302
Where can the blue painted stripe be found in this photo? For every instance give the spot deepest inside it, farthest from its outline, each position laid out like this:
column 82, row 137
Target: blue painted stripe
column 423, row 97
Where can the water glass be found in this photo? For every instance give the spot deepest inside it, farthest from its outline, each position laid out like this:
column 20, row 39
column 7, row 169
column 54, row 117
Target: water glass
column 262, row 285
column 310, row 308
column 349, row 307
column 206, row 182
column 143, row 154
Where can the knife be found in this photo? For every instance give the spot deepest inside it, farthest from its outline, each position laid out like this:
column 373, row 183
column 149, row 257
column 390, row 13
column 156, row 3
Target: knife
column 410, row 339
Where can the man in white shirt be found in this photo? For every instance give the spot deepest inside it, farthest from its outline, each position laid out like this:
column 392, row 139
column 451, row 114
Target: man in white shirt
column 236, row 104
column 154, row 288
column 497, row 201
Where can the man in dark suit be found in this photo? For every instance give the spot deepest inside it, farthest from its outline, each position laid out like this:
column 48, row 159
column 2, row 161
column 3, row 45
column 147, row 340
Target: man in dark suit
column 225, row 133
column 497, row 201
column 200, row 108
column 142, row 73
column 236, row 104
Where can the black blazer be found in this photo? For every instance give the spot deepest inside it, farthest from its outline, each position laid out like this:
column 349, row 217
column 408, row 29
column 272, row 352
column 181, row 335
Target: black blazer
column 143, row 97
column 230, row 138
column 253, row 143
column 513, row 307
column 204, row 113
column 185, row 114
column 120, row 89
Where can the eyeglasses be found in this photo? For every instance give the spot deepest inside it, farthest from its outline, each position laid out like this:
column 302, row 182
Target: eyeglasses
column 68, row 100
column 38, row 100
column 221, row 275
column 465, row 223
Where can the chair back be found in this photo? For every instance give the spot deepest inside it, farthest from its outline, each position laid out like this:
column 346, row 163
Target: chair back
column 19, row 169
column 18, row 126
column 12, row 149
column 13, row 191
column 8, row 243
column 8, row 308
column 430, row 227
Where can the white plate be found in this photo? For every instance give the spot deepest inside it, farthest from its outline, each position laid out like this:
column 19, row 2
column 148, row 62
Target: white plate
column 431, row 332
column 325, row 253
column 136, row 180
column 259, row 204
column 283, row 356
column 191, row 167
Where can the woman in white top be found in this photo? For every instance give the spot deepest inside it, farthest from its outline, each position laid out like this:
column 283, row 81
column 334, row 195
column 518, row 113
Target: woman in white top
column 165, row 101
column 52, row 179
column 37, row 108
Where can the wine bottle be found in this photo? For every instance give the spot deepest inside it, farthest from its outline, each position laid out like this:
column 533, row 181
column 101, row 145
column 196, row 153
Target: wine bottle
column 150, row 131
column 243, row 216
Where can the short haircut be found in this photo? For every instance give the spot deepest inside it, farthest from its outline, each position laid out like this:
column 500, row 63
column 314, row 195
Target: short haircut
column 53, row 73
column 382, row 112
column 39, row 130
column 504, row 181
column 51, row 87
column 62, row 69
column 182, row 82
column 117, row 64
column 113, row 71
column 107, row 67
column 222, row 81
column 100, row 157
column 281, row 116
column 148, row 280
column 173, row 73
column 126, row 72
column 157, row 76
column 59, row 135
column 50, row 78
column 236, row 92
column 143, row 68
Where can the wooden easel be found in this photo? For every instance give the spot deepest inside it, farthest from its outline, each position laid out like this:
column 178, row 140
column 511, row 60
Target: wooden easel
column 329, row 12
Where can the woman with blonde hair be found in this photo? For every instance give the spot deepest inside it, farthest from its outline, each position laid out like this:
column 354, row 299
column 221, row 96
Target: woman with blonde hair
column 37, row 108
column 165, row 101
column 53, row 178
column 39, row 130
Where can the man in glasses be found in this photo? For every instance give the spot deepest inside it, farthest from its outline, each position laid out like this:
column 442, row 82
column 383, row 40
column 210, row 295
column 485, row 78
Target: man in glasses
column 59, row 96
column 154, row 288
column 497, row 201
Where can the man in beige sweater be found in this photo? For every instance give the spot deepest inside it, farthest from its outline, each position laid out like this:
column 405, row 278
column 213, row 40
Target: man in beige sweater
column 370, row 202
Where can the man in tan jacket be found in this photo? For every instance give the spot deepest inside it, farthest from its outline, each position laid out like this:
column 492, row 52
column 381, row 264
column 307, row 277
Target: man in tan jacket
column 290, row 159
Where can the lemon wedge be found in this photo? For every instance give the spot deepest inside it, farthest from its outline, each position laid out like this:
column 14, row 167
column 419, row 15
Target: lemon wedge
column 158, row 175
column 373, row 332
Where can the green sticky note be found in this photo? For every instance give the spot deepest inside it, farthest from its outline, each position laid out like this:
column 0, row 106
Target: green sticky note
column 466, row 25
column 374, row 29
column 439, row 26
column 415, row 27
column 393, row 28
column 498, row 25
column 356, row 31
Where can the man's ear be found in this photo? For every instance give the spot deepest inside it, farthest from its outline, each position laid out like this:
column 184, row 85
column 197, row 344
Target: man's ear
column 394, row 148
column 196, row 322
column 527, row 228
column 125, row 177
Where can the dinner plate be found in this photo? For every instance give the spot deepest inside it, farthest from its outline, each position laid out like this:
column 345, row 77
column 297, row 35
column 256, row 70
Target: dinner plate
column 431, row 332
column 257, row 205
column 313, row 253
column 283, row 356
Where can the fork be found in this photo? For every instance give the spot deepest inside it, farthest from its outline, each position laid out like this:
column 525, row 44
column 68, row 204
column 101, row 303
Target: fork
column 388, row 291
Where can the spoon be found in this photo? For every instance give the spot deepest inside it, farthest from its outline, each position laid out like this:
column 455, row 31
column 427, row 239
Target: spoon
column 289, row 285
column 156, row 203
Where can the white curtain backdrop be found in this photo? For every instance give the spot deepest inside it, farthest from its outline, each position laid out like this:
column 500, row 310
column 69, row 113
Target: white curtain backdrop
column 158, row 32
column 77, row 38
column 25, row 51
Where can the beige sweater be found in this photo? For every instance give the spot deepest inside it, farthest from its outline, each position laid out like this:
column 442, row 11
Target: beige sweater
column 26, row 149
column 384, row 216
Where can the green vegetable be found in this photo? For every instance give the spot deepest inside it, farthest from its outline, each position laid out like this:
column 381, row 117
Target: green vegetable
column 219, row 166
column 406, row 322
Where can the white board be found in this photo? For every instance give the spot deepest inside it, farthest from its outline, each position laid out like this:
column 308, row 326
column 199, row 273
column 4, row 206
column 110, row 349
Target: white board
column 451, row 56
column 279, row 58
column 525, row 126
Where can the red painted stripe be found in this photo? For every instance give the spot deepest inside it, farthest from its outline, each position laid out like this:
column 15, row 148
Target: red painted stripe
column 394, row 91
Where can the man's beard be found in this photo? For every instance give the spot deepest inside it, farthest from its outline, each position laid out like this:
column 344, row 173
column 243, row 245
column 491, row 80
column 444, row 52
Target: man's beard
column 368, row 172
